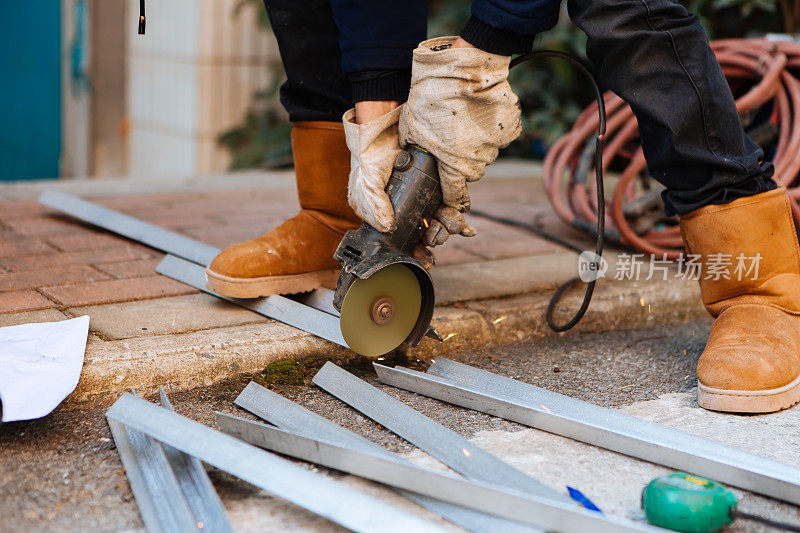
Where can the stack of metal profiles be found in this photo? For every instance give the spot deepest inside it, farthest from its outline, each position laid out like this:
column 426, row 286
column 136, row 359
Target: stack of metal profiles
column 492, row 496
column 161, row 450
column 539, row 408
column 319, row 494
column 488, row 495
column 171, row 488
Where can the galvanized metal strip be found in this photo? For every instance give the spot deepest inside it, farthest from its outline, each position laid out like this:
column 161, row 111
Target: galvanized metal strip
column 314, row 492
column 158, row 238
column 278, row 307
column 321, row 299
column 290, row 416
column 445, row 445
column 130, row 227
column 494, row 499
column 542, row 409
column 202, row 498
column 154, row 484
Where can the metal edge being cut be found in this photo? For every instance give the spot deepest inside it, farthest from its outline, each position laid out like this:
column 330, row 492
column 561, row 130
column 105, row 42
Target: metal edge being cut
column 130, row 227
column 158, row 494
column 157, row 237
column 552, row 515
column 283, row 309
column 320, row 495
column 431, row 437
column 535, row 407
column 292, row 417
column 199, row 492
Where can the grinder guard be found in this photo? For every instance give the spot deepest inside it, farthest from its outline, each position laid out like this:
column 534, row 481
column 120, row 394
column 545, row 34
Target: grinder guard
column 416, row 194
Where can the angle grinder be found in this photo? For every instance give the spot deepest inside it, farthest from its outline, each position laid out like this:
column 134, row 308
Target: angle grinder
column 384, row 296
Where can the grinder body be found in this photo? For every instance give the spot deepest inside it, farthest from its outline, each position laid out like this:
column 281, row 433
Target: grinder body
column 416, row 194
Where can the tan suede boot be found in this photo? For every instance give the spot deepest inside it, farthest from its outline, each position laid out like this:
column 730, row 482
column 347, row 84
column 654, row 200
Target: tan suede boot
column 751, row 363
column 297, row 256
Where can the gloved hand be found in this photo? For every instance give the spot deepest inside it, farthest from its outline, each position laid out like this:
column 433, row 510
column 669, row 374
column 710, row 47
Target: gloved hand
column 373, row 148
column 448, row 221
column 462, row 110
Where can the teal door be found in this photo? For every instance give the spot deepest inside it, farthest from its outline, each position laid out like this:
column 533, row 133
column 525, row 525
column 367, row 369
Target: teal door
column 30, row 89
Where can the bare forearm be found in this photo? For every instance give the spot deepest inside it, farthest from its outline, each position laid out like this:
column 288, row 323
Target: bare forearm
column 370, row 109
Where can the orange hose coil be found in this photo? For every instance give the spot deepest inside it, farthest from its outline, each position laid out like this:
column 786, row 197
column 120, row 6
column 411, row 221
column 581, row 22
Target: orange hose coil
column 773, row 69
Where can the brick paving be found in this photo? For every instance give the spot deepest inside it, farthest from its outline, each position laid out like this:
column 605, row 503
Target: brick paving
column 147, row 330
column 50, row 261
column 27, row 300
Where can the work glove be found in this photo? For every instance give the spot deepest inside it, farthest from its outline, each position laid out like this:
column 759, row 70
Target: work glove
column 373, row 148
column 462, row 110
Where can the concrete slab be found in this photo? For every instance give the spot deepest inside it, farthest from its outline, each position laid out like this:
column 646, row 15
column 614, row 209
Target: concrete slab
column 503, row 277
column 64, row 468
column 614, row 482
column 44, row 315
column 165, row 315
column 200, row 358
column 195, row 359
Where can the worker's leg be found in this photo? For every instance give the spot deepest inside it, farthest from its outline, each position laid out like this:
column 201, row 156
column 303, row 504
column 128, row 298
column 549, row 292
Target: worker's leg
column 298, row 255
column 308, row 40
column 655, row 56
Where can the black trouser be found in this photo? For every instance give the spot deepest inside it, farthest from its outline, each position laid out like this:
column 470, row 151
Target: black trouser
column 652, row 53
column 316, row 88
column 655, row 55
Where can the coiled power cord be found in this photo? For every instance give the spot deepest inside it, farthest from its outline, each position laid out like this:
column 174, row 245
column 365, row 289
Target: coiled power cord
column 601, row 217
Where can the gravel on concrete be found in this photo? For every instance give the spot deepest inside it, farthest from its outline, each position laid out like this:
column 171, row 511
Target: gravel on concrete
column 63, row 473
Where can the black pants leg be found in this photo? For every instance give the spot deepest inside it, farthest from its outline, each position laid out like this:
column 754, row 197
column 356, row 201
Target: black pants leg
column 308, row 40
column 655, row 55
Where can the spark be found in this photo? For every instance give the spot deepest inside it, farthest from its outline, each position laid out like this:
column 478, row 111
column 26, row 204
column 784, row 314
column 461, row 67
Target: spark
column 498, row 320
column 626, row 386
column 543, row 406
column 425, row 221
column 449, row 336
column 641, row 301
column 648, row 308
column 466, row 452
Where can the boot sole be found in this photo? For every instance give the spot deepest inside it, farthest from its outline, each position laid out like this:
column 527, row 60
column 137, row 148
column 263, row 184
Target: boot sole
column 269, row 285
column 749, row 401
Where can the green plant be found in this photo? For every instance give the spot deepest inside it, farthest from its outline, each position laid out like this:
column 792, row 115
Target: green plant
column 263, row 140
column 738, row 18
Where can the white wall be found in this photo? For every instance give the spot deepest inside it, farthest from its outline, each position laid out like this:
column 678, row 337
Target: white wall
column 75, row 97
column 189, row 79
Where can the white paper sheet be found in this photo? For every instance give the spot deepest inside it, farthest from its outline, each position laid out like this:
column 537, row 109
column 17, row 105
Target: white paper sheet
column 40, row 365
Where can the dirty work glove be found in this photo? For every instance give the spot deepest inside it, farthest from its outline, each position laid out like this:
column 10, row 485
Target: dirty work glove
column 462, row 110
column 447, row 221
column 373, row 148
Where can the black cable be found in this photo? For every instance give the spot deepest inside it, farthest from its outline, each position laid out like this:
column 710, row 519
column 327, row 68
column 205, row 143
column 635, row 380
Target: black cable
column 768, row 521
column 601, row 206
column 142, row 20
column 541, row 232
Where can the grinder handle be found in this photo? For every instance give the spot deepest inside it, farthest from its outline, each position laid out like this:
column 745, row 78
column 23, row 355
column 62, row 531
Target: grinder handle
column 416, row 194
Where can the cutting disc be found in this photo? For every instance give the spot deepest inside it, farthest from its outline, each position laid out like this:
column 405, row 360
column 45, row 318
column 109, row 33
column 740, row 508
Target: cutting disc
column 378, row 313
